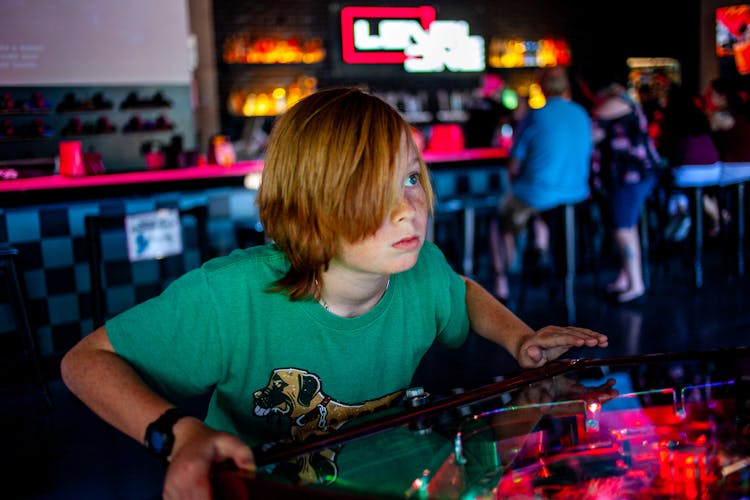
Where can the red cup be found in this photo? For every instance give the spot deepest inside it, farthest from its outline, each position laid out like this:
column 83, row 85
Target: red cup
column 446, row 137
column 71, row 159
column 155, row 160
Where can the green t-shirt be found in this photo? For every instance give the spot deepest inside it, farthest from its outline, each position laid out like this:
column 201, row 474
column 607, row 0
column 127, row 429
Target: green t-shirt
column 279, row 367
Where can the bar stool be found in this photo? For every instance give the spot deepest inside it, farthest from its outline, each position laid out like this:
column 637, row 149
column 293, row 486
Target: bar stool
column 695, row 178
column 27, row 362
column 561, row 221
column 486, row 186
column 450, row 187
column 464, row 198
column 736, row 175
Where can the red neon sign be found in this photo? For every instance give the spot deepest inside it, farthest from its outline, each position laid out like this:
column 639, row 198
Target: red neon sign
column 425, row 15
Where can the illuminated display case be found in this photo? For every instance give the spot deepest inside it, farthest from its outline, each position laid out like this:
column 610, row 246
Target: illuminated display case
column 651, row 77
column 516, row 53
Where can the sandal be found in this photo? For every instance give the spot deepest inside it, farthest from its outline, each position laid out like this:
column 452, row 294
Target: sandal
column 615, row 288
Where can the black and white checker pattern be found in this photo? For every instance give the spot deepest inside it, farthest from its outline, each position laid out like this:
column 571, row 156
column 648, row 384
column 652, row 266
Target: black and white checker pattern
column 53, row 257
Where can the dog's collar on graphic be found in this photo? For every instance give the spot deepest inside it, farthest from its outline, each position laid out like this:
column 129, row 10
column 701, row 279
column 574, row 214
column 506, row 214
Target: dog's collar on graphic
column 319, row 411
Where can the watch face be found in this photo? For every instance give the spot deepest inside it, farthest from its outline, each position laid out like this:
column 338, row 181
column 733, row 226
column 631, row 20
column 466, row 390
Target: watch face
column 157, row 440
column 159, row 437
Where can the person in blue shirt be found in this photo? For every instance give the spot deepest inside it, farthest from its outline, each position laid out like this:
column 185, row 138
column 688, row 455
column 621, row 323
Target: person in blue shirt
column 549, row 166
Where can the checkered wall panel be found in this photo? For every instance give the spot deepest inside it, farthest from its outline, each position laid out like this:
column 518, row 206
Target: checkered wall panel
column 53, row 257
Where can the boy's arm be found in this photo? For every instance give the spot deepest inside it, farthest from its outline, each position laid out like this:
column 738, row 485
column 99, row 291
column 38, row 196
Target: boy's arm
column 493, row 321
column 111, row 388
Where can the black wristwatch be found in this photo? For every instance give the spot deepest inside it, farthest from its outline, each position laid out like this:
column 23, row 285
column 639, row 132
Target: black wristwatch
column 159, row 436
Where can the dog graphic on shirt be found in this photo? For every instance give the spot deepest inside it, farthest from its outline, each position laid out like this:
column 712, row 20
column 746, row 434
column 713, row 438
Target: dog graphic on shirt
column 298, row 395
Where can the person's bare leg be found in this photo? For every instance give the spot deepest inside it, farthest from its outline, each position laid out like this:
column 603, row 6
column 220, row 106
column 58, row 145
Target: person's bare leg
column 500, row 259
column 628, row 243
column 711, row 208
column 541, row 234
column 620, row 283
column 509, row 244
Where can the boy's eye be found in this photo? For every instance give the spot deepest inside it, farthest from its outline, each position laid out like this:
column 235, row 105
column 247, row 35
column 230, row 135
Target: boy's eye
column 412, row 180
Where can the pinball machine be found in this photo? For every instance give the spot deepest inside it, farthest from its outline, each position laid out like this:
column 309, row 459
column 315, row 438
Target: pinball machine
column 661, row 426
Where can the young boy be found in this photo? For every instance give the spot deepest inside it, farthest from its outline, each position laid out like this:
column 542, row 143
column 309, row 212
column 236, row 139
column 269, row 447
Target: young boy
column 337, row 311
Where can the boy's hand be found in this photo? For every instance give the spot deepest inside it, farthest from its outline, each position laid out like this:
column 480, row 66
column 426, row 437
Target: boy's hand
column 552, row 341
column 562, row 388
column 188, row 475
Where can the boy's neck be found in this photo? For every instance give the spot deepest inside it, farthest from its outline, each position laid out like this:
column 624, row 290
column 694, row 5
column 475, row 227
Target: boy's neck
column 350, row 298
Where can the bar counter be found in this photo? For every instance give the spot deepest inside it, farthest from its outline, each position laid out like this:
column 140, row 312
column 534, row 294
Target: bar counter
column 43, row 217
column 168, row 175
column 59, row 188
column 45, row 189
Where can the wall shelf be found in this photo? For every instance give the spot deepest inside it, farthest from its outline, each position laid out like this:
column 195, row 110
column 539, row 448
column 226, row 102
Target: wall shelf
column 120, row 148
column 21, row 112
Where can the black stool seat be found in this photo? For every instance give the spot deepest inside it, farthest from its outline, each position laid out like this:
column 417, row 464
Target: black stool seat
column 562, row 265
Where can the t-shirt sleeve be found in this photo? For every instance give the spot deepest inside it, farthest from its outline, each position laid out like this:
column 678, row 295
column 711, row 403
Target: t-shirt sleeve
column 449, row 290
column 171, row 339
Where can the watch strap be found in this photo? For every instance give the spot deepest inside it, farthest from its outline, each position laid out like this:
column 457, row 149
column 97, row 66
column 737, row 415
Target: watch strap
column 160, row 435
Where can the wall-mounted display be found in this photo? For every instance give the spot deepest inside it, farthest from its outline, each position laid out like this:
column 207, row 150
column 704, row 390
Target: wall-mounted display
column 91, row 42
column 731, row 27
column 733, row 36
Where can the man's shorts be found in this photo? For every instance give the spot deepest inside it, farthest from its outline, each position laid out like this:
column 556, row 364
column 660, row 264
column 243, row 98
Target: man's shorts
column 515, row 214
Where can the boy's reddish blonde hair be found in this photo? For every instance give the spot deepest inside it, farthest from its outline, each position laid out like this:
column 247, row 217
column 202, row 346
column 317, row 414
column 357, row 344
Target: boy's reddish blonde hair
column 329, row 174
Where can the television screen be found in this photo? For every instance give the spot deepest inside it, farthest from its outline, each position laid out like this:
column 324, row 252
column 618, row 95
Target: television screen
column 731, row 27
column 94, row 42
column 733, row 36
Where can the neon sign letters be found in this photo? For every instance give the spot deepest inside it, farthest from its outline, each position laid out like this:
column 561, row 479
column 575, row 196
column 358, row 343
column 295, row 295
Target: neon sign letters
column 410, row 36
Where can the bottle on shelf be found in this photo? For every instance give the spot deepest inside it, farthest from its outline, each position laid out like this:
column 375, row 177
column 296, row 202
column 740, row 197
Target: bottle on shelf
column 221, row 151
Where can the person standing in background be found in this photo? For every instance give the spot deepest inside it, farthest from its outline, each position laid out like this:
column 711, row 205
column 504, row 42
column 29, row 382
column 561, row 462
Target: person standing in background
column 486, row 111
column 624, row 174
column 686, row 132
column 685, row 140
column 549, row 166
column 729, row 116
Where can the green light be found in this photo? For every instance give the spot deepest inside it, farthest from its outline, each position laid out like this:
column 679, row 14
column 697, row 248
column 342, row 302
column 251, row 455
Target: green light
column 509, row 98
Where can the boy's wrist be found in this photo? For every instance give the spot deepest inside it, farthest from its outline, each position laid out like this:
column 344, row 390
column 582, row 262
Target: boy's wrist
column 160, row 437
column 187, row 430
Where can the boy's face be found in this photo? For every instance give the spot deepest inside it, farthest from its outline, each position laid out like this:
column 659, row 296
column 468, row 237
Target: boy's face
column 395, row 245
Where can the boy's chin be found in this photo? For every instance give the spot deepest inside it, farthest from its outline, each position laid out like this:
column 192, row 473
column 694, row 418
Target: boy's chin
column 404, row 264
